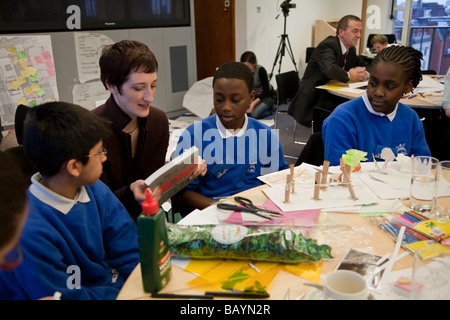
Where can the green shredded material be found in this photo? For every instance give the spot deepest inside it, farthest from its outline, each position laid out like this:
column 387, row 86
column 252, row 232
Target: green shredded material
column 353, row 157
column 273, row 244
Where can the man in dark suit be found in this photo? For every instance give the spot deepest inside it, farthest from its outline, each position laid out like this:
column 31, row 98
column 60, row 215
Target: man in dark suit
column 335, row 58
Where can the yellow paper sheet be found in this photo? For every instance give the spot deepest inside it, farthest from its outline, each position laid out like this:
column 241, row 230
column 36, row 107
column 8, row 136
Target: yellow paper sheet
column 244, row 275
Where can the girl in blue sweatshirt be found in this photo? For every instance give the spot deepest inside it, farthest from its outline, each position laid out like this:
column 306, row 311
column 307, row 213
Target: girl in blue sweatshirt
column 377, row 119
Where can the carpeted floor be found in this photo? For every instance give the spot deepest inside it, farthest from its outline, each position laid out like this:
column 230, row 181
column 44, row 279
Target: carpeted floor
column 286, row 133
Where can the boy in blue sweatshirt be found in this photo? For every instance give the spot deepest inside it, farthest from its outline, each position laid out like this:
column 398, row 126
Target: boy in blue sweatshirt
column 377, row 120
column 78, row 239
column 237, row 149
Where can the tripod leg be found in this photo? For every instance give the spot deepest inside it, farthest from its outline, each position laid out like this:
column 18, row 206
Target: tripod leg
column 291, row 54
column 283, row 50
column 279, row 51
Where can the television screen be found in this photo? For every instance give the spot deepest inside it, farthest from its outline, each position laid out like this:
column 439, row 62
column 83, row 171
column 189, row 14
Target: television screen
column 78, row 15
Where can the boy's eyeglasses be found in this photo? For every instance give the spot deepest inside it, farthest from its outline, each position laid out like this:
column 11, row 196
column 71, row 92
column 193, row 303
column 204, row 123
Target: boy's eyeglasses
column 104, row 152
column 12, row 259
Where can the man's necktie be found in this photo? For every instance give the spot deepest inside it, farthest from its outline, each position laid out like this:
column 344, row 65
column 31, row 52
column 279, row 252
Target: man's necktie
column 344, row 57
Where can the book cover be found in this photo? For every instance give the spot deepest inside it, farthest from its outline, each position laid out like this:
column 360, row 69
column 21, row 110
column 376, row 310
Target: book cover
column 437, row 229
column 174, row 175
column 429, row 244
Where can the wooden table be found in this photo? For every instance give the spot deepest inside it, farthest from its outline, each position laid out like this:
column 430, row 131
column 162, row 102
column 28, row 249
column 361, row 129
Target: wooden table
column 415, row 103
column 358, row 233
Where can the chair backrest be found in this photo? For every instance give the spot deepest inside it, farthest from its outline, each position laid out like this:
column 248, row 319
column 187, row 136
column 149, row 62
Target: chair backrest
column 431, row 72
column 319, row 116
column 1, row 129
column 287, row 85
column 390, row 37
column 309, row 52
column 313, row 152
column 19, row 121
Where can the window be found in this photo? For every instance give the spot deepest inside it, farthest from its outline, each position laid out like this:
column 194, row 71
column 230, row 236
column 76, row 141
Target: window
column 424, row 25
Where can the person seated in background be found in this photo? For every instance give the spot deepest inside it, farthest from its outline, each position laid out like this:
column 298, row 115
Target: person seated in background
column 261, row 106
column 446, row 100
column 443, row 130
column 236, row 148
column 379, row 42
column 78, row 239
column 335, row 58
column 377, row 120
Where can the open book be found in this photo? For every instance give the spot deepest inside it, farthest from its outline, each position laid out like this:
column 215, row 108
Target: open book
column 174, row 176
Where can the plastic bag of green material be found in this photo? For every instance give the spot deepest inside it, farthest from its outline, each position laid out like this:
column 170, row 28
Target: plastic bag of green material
column 228, row 241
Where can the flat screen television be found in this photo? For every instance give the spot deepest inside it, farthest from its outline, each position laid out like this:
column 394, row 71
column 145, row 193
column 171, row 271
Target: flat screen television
column 52, row 15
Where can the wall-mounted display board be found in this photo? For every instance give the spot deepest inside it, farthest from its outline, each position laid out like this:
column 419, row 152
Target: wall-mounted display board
column 62, row 15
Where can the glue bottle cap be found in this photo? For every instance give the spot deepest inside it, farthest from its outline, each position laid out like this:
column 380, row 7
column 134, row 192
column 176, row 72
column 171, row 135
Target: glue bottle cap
column 149, row 206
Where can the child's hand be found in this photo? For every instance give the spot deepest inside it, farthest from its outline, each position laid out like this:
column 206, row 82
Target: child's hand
column 201, row 169
column 139, row 188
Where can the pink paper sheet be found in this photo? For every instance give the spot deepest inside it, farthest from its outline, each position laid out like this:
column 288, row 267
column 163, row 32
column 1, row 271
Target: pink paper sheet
column 303, row 218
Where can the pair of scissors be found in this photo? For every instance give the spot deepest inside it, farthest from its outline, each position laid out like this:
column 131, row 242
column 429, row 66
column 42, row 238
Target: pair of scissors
column 248, row 206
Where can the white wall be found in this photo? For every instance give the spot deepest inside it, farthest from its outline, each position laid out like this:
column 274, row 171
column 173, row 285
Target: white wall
column 377, row 21
column 258, row 30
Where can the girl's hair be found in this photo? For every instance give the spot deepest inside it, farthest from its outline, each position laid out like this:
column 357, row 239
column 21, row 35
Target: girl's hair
column 235, row 70
column 249, row 56
column 407, row 57
column 56, row 132
column 121, row 59
column 13, row 198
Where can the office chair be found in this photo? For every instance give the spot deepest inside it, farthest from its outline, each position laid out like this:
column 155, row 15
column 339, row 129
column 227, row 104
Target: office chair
column 313, row 152
column 309, row 52
column 1, row 129
column 288, row 84
column 19, row 121
column 430, row 72
column 319, row 116
column 18, row 152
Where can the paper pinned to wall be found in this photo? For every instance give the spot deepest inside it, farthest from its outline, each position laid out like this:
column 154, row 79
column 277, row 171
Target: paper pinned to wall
column 88, row 48
column 90, row 95
column 28, row 74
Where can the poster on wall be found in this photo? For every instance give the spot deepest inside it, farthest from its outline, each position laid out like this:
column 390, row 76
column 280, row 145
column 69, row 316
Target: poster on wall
column 88, row 48
column 90, row 91
column 27, row 74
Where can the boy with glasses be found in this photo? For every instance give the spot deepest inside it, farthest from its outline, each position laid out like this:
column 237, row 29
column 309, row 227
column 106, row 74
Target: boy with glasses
column 78, row 239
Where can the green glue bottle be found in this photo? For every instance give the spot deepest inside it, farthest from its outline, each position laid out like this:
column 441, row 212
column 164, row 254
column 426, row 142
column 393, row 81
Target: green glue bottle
column 153, row 246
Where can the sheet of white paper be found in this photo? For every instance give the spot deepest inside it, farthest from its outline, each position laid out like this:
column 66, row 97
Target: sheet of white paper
column 352, row 90
column 88, row 47
column 355, row 85
column 333, row 196
column 199, row 98
column 303, row 174
column 176, row 128
column 428, row 82
column 179, row 262
column 388, row 186
column 388, row 291
column 88, row 94
column 199, row 217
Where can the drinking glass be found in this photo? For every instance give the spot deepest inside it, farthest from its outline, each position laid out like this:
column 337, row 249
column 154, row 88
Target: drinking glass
column 423, row 185
column 442, row 208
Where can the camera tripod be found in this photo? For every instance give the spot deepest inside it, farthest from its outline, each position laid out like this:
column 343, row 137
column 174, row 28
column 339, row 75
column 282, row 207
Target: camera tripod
column 284, row 45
